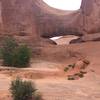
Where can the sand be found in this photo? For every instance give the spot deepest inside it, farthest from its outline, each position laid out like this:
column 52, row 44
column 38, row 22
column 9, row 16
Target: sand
column 53, row 84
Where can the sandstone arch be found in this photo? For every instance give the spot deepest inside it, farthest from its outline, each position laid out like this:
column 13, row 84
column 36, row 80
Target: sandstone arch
column 35, row 19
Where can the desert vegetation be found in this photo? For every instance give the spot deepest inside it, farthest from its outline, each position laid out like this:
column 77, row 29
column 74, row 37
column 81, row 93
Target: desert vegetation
column 24, row 90
column 79, row 67
column 15, row 55
column 71, row 66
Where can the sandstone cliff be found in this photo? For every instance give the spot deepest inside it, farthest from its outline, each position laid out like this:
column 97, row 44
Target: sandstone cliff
column 33, row 19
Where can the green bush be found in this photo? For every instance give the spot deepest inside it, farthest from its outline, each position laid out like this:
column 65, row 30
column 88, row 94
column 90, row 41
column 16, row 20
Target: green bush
column 14, row 55
column 23, row 90
column 9, row 45
column 21, row 57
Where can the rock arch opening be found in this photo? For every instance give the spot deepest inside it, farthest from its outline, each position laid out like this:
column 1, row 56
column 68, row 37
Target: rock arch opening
column 64, row 40
column 64, row 4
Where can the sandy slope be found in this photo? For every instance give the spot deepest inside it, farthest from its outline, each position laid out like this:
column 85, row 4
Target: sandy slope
column 61, row 89
column 54, row 86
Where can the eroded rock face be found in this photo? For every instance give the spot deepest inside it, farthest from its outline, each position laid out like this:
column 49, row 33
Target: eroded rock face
column 91, row 14
column 33, row 19
column 17, row 17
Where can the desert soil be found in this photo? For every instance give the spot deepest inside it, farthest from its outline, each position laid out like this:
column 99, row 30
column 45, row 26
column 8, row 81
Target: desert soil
column 51, row 82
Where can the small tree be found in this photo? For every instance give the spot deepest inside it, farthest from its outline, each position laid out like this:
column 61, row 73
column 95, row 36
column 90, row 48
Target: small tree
column 22, row 90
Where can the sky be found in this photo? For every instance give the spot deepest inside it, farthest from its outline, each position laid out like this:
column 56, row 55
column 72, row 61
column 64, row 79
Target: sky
column 64, row 4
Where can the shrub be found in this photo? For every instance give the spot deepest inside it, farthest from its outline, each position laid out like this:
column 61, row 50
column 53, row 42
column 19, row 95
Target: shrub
column 83, row 72
column 22, row 90
column 14, row 55
column 81, row 75
column 71, row 66
column 0, row 53
column 9, row 45
column 66, row 69
column 71, row 77
column 21, row 57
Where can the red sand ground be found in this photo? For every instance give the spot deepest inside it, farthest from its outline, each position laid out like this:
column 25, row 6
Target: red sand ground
column 53, row 84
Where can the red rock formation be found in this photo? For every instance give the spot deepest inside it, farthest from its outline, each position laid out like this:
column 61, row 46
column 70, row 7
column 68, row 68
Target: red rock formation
column 34, row 19
column 91, row 14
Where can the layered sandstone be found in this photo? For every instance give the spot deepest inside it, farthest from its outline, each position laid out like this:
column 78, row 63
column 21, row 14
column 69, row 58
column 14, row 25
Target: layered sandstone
column 33, row 19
